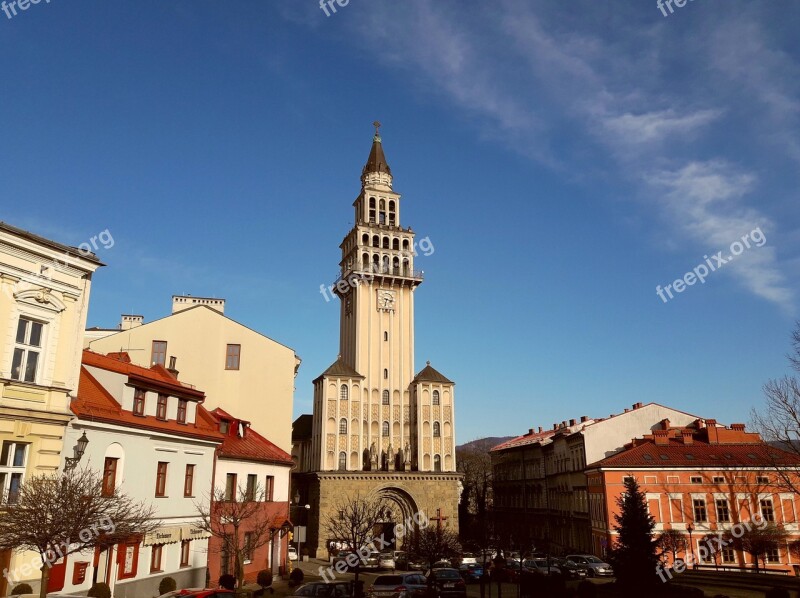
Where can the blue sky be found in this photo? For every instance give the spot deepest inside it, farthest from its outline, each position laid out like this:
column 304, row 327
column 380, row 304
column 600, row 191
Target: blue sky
column 563, row 158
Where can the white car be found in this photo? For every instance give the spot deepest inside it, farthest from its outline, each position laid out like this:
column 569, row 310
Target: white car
column 386, row 561
column 468, row 559
column 292, row 555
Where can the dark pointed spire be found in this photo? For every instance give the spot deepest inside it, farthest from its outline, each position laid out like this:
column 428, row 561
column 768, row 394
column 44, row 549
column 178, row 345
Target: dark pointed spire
column 377, row 160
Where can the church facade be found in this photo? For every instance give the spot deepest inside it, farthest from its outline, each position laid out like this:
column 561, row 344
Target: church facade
column 378, row 428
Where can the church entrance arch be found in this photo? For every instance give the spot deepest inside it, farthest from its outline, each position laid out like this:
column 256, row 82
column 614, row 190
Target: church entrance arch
column 399, row 512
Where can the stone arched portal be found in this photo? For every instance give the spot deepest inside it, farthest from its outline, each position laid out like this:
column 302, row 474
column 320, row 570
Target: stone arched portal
column 399, row 520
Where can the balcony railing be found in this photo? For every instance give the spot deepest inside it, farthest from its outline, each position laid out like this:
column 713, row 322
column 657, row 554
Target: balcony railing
column 370, row 271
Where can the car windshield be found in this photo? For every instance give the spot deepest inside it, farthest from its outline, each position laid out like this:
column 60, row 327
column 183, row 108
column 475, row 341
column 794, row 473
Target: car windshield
column 592, row 559
column 389, row 580
column 446, row 574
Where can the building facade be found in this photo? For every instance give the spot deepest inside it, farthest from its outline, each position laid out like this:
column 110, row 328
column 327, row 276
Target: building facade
column 701, row 480
column 378, row 428
column 44, row 299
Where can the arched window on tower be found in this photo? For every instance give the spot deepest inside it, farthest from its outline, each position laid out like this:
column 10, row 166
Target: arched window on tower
column 365, row 239
column 342, row 461
column 376, row 263
column 385, row 374
column 383, row 205
column 436, row 397
column 376, row 241
column 386, row 242
column 437, row 430
column 365, row 261
column 396, row 244
column 371, row 203
column 344, row 392
column 343, row 426
column 405, row 244
column 385, row 397
column 406, row 268
column 437, row 463
column 385, row 264
column 385, row 335
column 385, row 429
column 396, row 266
column 372, row 210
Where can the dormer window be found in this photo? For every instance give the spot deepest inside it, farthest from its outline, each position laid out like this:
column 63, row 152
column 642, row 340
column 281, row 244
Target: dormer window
column 181, row 417
column 138, row 401
column 224, row 426
column 161, row 407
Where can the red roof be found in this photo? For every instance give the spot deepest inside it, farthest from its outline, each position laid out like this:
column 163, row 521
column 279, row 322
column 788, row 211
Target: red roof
column 529, row 438
column 95, row 403
column 250, row 447
column 697, row 454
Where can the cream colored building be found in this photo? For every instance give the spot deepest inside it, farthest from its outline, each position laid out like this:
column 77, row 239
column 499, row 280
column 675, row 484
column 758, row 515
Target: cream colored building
column 44, row 300
column 378, row 427
column 240, row 370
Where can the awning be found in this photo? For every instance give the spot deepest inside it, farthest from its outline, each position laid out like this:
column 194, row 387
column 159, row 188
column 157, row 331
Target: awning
column 163, row 535
column 192, row 532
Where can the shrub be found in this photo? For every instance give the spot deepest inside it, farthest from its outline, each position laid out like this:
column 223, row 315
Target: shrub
column 264, row 578
column 167, row 585
column 100, row 590
column 21, row 588
column 296, row 576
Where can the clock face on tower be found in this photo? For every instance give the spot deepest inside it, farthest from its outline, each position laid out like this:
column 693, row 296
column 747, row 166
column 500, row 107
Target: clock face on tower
column 386, row 300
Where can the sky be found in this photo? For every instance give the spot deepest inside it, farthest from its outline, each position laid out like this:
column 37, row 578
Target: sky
column 565, row 159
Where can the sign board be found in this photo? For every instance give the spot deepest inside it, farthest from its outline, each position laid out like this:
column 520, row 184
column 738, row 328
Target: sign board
column 299, row 533
column 163, row 535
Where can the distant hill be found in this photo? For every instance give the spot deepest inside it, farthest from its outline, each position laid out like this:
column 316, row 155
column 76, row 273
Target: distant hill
column 483, row 444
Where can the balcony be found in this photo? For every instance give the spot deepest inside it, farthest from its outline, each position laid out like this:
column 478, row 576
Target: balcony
column 382, row 271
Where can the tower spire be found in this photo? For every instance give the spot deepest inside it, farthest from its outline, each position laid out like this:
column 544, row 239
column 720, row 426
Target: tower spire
column 377, row 160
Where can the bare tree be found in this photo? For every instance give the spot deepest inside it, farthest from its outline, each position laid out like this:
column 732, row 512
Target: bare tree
column 435, row 542
column 710, row 541
column 779, row 421
column 475, row 462
column 58, row 514
column 673, row 542
column 241, row 522
column 758, row 542
column 352, row 522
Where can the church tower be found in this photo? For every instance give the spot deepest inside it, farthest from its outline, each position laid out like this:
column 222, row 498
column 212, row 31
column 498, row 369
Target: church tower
column 375, row 422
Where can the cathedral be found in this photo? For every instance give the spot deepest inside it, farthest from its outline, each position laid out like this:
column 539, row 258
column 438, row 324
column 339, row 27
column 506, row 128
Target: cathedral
column 378, row 428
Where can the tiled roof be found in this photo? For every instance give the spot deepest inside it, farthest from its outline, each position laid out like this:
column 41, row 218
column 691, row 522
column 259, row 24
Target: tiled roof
column 525, row 439
column 697, row 454
column 252, row 447
column 95, row 403
column 429, row 374
column 341, row 370
column 377, row 160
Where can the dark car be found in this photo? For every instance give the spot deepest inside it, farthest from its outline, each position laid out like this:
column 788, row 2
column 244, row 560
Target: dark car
column 323, row 589
column 198, row 593
column 342, row 555
column 404, row 585
column 471, row 572
column 594, row 566
column 446, row 582
column 570, row 569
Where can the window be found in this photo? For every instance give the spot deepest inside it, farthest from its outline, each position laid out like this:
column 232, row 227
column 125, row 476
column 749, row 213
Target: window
column 437, row 430
column 138, row 401
column 248, row 547
column 718, row 479
column 762, row 479
column 185, row 552
column 161, row 479
column 723, row 512
column 128, row 555
column 772, row 555
column 695, row 479
column 181, row 417
column 155, row 558
column 269, row 488
column 385, row 397
column 27, row 350
column 252, row 480
column 343, row 426
column 342, row 461
column 13, row 460
column 385, row 374
column 230, row 487
column 728, row 556
column 436, row 398
column 158, row 354
column 700, row 510
column 224, row 425
column 232, row 356
column 225, row 556
column 161, row 407
column 385, row 431
column 385, row 336
column 437, row 463
column 188, row 481
column 767, row 511
column 344, row 392
column 109, row 477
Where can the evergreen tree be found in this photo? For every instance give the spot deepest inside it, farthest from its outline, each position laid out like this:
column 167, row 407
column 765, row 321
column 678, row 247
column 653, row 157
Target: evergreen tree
column 634, row 556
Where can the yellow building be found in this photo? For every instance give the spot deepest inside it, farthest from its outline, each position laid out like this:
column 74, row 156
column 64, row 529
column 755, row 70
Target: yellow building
column 44, row 300
column 239, row 369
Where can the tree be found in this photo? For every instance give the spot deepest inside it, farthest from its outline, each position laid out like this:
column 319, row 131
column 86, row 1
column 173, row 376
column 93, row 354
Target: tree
column 634, row 555
column 475, row 462
column 779, row 421
column 434, row 543
column 710, row 541
column 352, row 522
column 243, row 524
column 58, row 514
column 672, row 541
column 758, row 542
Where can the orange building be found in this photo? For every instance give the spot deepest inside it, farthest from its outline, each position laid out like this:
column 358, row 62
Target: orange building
column 701, row 479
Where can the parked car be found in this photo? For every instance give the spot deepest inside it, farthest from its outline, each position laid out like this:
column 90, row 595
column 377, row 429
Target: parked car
column 342, row 556
column 198, row 593
column 416, row 564
column 471, row 572
column 468, row 559
column 323, row 589
column 541, row 566
column 373, row 561
column 386, row 561
column 447, row 583
column 443, row 564
column 570, row 569
column 292, row 553
column 594, row 566
column 400, row 560
column 404, row 585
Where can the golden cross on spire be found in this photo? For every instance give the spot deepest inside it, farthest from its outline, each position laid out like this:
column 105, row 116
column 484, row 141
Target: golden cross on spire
column 377, row 125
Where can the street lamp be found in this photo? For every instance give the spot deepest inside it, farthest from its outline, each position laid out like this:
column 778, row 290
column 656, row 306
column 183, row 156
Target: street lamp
column 690, row 529
column 299, row 536
column 78, row 450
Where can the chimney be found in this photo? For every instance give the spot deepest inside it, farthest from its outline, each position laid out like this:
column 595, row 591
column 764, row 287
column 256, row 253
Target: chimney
column 699, row 424
column 665, row 424
column 626, row 410
column 572, row 422
column 584, row 418
column 540, row 429
column 713, row 433
column 128, row 321
column 688, row 438
column 555, row 427
column 737, row 427
column 661, row 437
column 564, row 424
column 530, row 431
column 172, row 369
column 181, row 302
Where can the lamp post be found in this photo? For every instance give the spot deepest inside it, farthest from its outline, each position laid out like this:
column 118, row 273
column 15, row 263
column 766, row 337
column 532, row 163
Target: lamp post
column 71, row 462
column 299, row 537
column 690, row 529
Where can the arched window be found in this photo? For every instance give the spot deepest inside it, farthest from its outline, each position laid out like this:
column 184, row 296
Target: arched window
column 376, row 241
column 405, row 244
column 344, row 392
column 386, row 242
column 385, row 264
column 385, row 374
column 396, row 244
column 342, row 461
column 436, row 397
column 391, row 205
column 364, row 261
column 437, row 430
column 437, row 463
column 385, row 430
column 385, row 397
column 385, row 336
column 343, row 426
column 383, row 204
column 372, row 203
column 396, row 265
column 365, row 239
